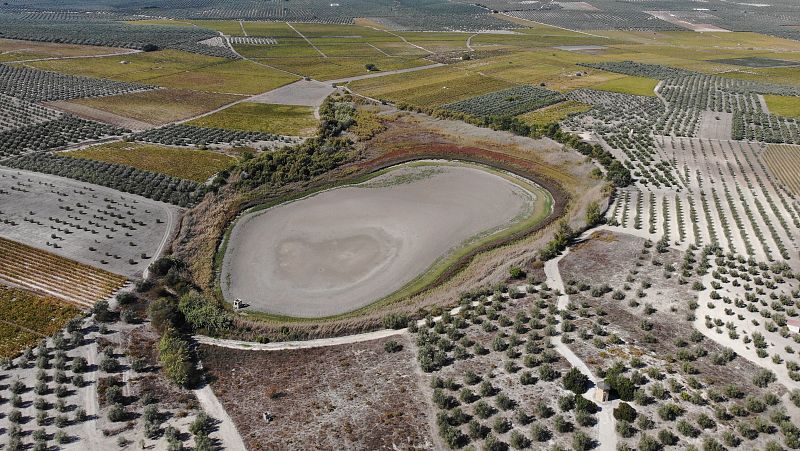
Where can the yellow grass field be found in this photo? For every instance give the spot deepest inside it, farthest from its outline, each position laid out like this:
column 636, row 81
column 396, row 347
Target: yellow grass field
column 190, row 164
column 554, row 113
column 639, row 86
column 160, row 106
column 783, row 105
column 26, row 318
column 261, row 117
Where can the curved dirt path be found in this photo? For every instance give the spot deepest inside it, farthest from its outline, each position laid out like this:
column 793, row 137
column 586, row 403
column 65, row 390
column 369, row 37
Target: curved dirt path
column 605, row 429
column 469, row 42
column 226, row 429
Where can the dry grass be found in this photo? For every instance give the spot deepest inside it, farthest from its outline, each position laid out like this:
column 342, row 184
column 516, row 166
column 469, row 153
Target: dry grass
column 184, row 163
column 161, row 106
column 261, row 117
column 26, row 317
column 343, row 397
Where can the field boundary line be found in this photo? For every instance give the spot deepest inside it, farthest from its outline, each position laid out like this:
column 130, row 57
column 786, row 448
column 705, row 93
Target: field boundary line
column 556, row 26
column 403, row 39
column 56, row 58
column 241, row 25
column 307, row 40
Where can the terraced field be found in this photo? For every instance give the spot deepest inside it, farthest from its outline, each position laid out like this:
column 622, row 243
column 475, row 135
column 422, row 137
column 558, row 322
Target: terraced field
column 42, row 271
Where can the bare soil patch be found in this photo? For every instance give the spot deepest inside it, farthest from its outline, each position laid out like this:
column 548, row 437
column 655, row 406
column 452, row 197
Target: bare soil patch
column 344, row 397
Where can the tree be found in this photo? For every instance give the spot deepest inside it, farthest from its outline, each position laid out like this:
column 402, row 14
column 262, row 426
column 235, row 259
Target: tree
column 593, row 214
column 370, row 67
column 176, row 358
column 624, row 412
column 102, row 313
column 575, row 381
column 164, row 313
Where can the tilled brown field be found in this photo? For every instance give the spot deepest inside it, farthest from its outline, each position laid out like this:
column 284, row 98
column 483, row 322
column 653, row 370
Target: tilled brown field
column 342, row 397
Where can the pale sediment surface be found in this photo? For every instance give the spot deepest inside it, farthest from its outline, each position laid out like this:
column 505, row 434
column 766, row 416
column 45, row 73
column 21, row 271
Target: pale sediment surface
column 345, row 248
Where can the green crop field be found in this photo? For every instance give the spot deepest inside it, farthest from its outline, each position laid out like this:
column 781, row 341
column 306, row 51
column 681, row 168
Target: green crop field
column 554, row 113
column 185, row 163
column 639, row 86
column 783, row 105
column 261, row 117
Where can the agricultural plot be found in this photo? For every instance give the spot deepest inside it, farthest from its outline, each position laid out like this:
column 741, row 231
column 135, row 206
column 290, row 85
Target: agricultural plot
column 262, row 118
column 104, row 32
column 27, row 317
column 37, row 85
column 783, row 105
column 596, row 20
column 372, row 392
column 508, row 102
column 119, row 177
column 64, row 130
column 725, row 197
column 555, row 113
column 91, row 224
column 160, row 106
column 93, row 386
column 189, row 135
column 783, row 161
column 643, row 329
column 16, row 113
column 639, row 86
column 755, row 61
column 182, row 163
column 747, row 307
column 43, row 272
column 497, row 379
column 16, row 50
column 428, row 88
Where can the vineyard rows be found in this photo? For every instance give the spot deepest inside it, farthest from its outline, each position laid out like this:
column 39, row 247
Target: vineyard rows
column 507, row 102
column 784, row 162
column 187, row 135
column 120, row 177
column 59, row 132
column 42, row 86
column 252, row 40
column 42, row 271
column 725, row 196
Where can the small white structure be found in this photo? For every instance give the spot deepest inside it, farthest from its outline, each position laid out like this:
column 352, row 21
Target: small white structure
column 794, row 325
column 267, row 416
column 602, row 391
column 237, row 304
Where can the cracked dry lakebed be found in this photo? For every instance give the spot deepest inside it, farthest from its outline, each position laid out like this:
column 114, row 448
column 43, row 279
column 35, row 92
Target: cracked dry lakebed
column 345, row 248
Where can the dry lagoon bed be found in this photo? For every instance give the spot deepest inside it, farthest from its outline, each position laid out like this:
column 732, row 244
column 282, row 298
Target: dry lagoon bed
column 344, row 248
